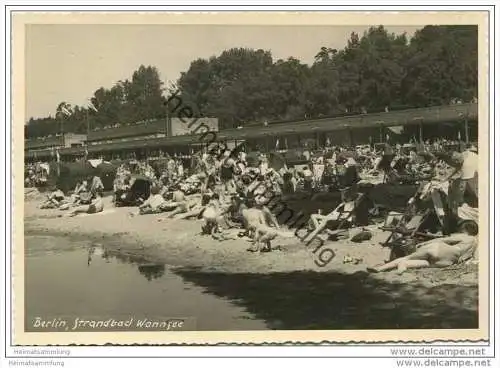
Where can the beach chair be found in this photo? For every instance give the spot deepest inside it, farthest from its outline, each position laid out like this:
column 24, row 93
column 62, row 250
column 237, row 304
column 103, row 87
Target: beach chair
column 406, row 234
column 343, row 215
column 404, row 228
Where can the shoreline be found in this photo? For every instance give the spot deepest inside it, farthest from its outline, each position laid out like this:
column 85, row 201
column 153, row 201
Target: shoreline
column 179, row 243
column 284, row 287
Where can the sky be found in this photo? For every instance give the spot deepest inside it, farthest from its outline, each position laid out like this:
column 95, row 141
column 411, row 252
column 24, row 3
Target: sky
column 69, row 62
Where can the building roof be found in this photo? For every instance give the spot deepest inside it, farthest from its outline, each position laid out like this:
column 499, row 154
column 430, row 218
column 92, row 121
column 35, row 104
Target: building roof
column 43, row 142
column 150, row 127
column 428, row 115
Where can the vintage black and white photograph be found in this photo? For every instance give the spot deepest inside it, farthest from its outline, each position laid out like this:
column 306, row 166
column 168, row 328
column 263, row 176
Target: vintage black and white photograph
column 223, row 177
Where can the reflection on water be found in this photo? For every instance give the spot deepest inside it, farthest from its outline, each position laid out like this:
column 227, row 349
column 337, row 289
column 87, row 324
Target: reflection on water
column 150, row 271
column 78, row 278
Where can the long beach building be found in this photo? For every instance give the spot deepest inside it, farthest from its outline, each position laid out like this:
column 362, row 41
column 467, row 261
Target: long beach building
column 182, row 136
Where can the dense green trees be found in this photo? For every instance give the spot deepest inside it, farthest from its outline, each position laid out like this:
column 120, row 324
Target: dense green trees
column 126, row 102
column 441, row 65
column 375, row 71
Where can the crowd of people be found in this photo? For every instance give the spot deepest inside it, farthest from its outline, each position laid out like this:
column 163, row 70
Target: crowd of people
column 232, row 190
column 36, row 174
column 87, row 197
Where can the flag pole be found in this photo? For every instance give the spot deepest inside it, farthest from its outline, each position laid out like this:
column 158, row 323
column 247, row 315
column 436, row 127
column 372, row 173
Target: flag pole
column 88, row 131
column 88, row 123
column 167, row 111
column 466, row 131
column 61, row 117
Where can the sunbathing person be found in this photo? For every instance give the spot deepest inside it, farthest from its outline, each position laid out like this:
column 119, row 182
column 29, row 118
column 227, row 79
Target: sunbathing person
column 441, row 252
column 153, row 204
column 54, row 199
column 80, row 188
column 191, row 207
column 180, row 203
column 96, row 206
column 178, row 196
column 198, row 208
column 342, row 213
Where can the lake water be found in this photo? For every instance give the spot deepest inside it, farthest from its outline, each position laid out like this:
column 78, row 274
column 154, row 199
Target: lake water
column 72, row 279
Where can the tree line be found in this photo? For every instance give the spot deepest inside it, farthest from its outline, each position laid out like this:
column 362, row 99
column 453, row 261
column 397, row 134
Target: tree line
column 376, row 71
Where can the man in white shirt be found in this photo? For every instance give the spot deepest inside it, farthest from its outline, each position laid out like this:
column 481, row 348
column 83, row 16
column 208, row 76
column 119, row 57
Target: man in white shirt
column 464, row 178
column 469, row 174
column 470, row 163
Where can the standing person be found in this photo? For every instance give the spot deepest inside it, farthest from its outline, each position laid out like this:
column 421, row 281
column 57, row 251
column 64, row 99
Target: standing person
column 180, row 169
column 308, row 177
column 464, row 178
column 171, row 169
column 227, row 169
column 242, row 156
column 289, row 181
column 264, row 164
column 208, row 172
column 306, row 154
column 469, row 170
column 349, row 180
column 241, row 163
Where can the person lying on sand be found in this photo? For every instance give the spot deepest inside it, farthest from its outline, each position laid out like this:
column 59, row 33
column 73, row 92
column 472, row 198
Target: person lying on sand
column 54, row 199
column 440, row 252
column 339, row 216
column 182, row 207
column 96, row 206
column 177, row 196
column 198, row 208
column 153, row 204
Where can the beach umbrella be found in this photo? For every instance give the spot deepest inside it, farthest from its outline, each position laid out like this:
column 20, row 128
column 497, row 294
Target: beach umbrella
column 276, row 161
column 253, row 159
column 67, row 174
column 107, row 172
column 141, row 187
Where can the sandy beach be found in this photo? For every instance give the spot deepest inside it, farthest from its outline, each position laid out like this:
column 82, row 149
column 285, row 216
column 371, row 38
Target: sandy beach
column 180, row 243
column 266, row 283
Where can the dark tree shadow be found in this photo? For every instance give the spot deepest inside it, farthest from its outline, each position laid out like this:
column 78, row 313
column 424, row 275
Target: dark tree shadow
column 152, row 272
column 331, row 300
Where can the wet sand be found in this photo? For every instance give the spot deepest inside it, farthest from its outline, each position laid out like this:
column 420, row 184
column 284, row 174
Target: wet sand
column 285, row 287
